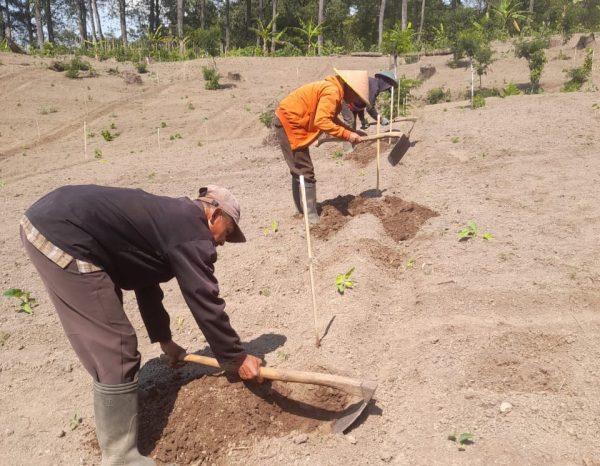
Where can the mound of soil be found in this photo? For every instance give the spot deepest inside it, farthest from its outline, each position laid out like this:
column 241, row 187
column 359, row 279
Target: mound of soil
column 202, row 420
column 364, row 154
column 401, row 220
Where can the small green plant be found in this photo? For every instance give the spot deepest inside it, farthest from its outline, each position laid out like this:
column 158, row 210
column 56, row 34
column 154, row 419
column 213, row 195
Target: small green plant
column 455, row 140
column 211, row 78
column 344, row 281
column 113, row 126
column 338, row 154
column 27, row 302
column 141, row 67
column 282, row 355
column 409, row 264
column 107, row 135
column 265, row 292
column 487, row 236
column 113, row 71
column 151, row 176
column 478, row 101
column 266, row 118
column 97, row 154
column 175, row 136
column 273, row 228
column 190, row 106
column 468, row 232
column 72, row 73
column 163, row 124
column 461, row 440
column 511, row 89
column 75, row 421
column 179, row 321
column 4, row 336
column 47, row 110
column 437, row 95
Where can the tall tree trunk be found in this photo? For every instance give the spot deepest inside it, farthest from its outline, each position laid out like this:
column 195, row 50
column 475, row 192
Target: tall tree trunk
column 261, row 16
column 26, row 11
column 151, row 25
column 179, row 19
column 247, row 17
column 422, row 21
column 81, row 20
column 122, row 17
column 227, row 32
column 39, row 28
column 93, row 26
column 48, row 15
column 97, row 16
column 274, row 28
column 531, row 6
column 380, row 30
column 202, row 14
column 7, row 23
column 320, row 20
column 404, row 14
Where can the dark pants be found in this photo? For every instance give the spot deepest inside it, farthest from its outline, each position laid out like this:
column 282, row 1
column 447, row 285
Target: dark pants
column 90, row 309
column 298, row 160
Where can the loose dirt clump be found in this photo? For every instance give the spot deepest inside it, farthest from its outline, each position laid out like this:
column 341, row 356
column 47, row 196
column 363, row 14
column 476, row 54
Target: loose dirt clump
column 401, row 220
column 204, row 419
column 383, row 255
column 365, row 153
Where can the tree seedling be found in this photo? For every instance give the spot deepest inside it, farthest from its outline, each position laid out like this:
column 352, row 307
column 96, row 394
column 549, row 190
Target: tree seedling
column 487, row 236
column 344, row 281
column 175, row 136
column 97, row 154
column 455, row 139
column 75, row 421
column 273, row 228
column 409, row 264
column 163, row 124
column 107, row 135
column 461, row 440
column 27, row 302
column 468, row 232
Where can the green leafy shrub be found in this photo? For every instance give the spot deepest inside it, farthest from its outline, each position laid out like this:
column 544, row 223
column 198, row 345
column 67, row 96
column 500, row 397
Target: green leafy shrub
column 532, row 50
column 437, row 95
column 107, row 135
column 27, row 302
column 580, row 75
column 478, row 101
column 511, row 89
column 141, row 67
column 211, row 78
column 266, row 118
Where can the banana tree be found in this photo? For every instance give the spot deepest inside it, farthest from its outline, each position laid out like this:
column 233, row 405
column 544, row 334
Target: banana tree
column 310, row 32
column 266, row 33
column 510, row 13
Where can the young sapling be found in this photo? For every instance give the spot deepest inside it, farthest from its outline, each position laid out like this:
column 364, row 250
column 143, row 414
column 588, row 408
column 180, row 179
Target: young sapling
column 344, row 281
column 27, row 302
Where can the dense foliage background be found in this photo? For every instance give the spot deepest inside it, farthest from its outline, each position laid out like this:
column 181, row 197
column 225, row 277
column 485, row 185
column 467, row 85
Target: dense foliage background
column 180, row 29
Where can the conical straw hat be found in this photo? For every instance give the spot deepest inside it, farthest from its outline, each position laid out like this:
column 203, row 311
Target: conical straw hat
column 358, row 80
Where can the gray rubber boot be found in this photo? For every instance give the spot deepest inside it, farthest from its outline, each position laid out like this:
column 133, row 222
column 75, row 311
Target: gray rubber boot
column 311, row 202
column 116, row 411
column 296, row 193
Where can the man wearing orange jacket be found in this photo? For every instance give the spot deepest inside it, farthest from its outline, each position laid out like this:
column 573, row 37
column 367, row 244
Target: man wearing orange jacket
column 307, row 112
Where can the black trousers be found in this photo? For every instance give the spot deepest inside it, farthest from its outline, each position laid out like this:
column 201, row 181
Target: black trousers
column 90, row 309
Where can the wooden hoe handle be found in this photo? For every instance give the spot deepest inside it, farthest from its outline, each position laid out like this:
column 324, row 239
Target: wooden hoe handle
column 346, row 384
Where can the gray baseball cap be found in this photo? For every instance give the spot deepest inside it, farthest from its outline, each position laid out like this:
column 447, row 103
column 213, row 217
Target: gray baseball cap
column 222, row 198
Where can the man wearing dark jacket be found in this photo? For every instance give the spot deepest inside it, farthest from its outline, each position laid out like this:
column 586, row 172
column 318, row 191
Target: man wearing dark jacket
column 90, row 242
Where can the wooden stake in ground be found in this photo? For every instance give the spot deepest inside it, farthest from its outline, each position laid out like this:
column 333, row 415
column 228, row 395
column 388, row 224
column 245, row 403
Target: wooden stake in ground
column 391, row 112
column 85, row 139
column 379, row 148
column 310, row 260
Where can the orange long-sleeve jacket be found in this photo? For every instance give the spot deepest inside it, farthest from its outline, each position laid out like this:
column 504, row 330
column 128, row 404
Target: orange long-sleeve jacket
column 312, row 109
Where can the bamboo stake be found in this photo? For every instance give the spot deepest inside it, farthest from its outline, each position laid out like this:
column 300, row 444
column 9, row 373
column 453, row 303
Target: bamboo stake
column 310, row 260
column 378, row 149
column 38, row 131
column 391, row 113
column 85, row 139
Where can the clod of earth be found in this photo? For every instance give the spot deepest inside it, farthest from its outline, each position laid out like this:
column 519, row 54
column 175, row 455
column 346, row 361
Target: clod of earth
column 401, row 220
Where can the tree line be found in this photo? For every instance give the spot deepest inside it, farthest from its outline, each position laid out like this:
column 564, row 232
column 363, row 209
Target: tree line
column 187, row 28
